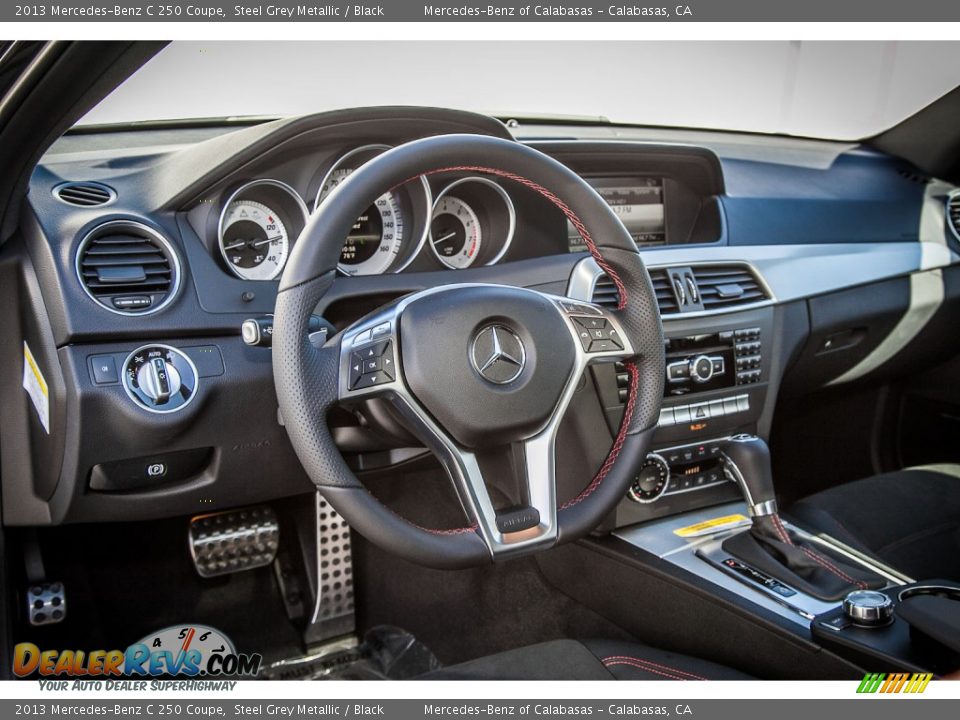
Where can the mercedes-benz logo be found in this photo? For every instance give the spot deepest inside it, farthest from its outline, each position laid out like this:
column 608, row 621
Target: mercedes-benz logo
column 498, row 354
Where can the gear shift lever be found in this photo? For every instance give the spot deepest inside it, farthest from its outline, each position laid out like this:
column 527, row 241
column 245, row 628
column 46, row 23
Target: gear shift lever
column 769, row 546
column 748, row 461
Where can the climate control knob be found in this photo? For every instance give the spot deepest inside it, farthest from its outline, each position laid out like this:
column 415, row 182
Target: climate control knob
column 701, row 368
column 651, row 482
column 160, row 378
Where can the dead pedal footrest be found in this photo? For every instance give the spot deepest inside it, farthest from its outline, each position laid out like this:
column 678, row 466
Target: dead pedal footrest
column 233, row 541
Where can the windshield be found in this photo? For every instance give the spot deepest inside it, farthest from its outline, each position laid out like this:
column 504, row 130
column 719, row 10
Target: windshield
column 832, row 90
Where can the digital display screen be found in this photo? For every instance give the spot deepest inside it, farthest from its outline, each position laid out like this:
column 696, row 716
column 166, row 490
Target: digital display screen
column 638, row 202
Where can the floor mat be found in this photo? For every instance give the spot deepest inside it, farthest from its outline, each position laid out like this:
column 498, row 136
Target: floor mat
column 386, row 653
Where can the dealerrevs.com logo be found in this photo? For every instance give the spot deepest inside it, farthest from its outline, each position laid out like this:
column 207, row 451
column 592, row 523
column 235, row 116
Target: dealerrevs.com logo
column 190, row 651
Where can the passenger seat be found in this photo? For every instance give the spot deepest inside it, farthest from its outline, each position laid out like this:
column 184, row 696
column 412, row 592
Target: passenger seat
column 908, row 519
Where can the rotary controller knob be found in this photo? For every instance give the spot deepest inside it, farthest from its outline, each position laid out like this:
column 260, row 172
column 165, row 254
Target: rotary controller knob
column 701, row 368
column 160, row 378
column 868, row 608
column 651, row 482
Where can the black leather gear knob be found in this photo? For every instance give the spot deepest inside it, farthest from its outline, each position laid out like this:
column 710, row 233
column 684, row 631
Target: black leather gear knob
column 748, row 461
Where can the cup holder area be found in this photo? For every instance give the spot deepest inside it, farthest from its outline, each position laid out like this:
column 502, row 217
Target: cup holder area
column 940, row 591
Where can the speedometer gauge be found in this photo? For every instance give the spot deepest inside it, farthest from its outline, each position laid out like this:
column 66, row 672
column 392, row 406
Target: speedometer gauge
column 253, row 240
column 455, row 234
column 375, row 239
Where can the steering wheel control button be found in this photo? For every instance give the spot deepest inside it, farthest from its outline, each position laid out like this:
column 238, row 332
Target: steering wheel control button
column 372, row 365
column 104, row 370
column 868, row 608
column 597, row 335
column 160, row 378
column 498, row 354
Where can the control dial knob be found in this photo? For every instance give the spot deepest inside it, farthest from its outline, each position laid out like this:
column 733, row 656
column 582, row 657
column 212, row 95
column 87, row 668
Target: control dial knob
column 701, row 368
column 160, row 378
column 651, row 482
column 868, row 608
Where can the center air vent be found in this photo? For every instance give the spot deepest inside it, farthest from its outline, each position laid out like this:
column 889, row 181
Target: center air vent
column 953, row 213
column 84, row 194
column 128, row 268
column 723, row 286
column 695, row 289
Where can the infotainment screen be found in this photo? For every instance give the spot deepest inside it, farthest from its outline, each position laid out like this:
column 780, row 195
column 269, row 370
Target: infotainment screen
column 638, row 202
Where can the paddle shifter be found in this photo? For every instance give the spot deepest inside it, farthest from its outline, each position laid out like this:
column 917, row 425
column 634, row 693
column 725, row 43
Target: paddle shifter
column 773, row 549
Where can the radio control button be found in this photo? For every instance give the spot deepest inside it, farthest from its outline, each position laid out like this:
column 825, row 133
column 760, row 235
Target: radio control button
column 743, row 403
column 730, row 406
column 666, row 417
column 681, row 414
column 716, row 408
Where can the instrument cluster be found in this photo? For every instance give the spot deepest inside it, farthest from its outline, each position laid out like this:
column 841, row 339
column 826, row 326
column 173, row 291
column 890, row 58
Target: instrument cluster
column 446, row 222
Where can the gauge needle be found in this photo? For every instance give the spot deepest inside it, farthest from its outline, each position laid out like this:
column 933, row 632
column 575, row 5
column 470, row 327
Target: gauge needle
column 268, row 240
column 363, row 238
column 445, row 237
column 235, row 246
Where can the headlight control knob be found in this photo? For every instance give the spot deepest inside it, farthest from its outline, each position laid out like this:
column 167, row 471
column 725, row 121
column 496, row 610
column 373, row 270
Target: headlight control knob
column 160, row 378
column 868, row 608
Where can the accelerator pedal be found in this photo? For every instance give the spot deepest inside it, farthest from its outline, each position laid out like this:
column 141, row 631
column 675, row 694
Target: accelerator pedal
column 233, row 541
column 333, row 610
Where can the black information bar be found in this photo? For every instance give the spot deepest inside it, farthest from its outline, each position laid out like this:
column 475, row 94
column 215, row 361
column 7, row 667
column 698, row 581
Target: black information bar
column 483, row 11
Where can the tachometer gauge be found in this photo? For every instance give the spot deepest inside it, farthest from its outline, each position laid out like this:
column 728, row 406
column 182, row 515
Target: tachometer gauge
column 376, row 237
column 455, row 233
column 254, row 240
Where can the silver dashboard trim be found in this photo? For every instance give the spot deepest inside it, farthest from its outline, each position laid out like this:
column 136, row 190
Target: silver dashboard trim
column 790, row 272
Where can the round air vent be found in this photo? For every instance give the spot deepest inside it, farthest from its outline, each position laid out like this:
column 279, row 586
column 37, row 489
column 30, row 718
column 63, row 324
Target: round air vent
column 953, row 213
column 84, row 194
column 128, row 268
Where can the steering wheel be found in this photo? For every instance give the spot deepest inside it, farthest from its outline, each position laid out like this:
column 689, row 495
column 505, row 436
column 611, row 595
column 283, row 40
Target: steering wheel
column 482, row 374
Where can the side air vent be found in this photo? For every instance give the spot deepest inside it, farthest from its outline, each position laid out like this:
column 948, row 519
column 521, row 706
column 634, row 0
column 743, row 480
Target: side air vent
column 84, row 194
column 953, row 213
column 128, row 268
column 723, row 286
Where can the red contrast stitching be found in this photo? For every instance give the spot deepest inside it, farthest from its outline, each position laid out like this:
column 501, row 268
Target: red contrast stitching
column 561, row 205
column 617, row 444
column 781, row 530
column 826, row 564
column 651, row 667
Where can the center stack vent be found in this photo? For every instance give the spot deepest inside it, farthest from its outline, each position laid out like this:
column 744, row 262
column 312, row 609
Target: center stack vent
column 715, row 287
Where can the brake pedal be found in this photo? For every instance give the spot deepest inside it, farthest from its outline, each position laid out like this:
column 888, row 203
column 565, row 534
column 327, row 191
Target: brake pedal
column 234, row 541
column 46, row 603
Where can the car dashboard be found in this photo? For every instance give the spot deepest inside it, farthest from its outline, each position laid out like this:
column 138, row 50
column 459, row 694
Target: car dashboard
column 780, row 266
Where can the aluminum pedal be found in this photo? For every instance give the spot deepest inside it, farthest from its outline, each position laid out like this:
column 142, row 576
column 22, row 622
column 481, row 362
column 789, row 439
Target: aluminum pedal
column 234, row 541
column 333, row 611
column 46, row 603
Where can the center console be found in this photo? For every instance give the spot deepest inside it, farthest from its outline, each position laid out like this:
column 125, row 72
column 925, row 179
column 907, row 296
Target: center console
column 718, row 375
